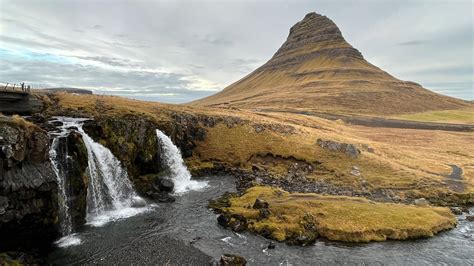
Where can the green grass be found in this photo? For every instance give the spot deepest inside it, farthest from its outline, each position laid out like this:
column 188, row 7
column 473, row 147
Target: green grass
column 464, row 116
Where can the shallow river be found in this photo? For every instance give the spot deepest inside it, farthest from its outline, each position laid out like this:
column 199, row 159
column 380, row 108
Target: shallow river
column 186, row 232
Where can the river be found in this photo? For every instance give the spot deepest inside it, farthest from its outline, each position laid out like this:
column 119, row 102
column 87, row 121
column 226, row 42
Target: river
column 186, row 232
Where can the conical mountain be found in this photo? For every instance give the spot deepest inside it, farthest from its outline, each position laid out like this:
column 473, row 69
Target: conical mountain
column 317, row 70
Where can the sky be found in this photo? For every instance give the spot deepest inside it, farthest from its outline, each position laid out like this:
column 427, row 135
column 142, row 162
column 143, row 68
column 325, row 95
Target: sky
column 179, row 51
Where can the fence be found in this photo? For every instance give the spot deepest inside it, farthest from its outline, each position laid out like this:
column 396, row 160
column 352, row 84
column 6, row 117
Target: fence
column 18, row 87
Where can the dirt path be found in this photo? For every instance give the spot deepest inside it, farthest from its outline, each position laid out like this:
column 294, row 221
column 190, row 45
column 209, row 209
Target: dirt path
column 382, row 122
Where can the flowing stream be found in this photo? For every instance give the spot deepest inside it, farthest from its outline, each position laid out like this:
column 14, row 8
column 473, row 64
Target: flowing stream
column 186, row 232
column 174, row 161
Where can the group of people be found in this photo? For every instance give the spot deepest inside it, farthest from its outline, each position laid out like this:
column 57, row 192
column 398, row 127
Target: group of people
column 24, row 88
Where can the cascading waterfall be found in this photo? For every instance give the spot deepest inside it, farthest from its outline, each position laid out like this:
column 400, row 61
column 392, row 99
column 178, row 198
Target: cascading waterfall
column 59, row 156
column 110, row 194
column 179, row 173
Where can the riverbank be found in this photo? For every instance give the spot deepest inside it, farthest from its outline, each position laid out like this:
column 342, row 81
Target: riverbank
column 189, row 222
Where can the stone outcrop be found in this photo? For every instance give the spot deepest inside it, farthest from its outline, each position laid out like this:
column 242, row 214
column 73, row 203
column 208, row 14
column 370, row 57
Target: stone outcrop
column 28, row 190
column 334, row 146
column 133, row 141
column 17, row 103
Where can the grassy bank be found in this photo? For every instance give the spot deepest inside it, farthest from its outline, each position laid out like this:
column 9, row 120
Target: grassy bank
column 305, row 216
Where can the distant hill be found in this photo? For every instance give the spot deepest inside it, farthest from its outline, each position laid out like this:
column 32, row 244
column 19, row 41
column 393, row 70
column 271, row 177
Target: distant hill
column 69, row 90
column 317, row 70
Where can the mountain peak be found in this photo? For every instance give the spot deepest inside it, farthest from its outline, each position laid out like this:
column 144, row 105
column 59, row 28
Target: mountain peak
column 316, row 34
column 317, row 70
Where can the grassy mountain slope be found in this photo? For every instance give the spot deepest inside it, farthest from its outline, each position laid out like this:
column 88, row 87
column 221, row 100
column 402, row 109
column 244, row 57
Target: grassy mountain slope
column 317, row 70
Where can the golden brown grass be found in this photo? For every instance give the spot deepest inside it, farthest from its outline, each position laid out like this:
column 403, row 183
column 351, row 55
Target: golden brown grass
column 404, row 160
column 338, row 218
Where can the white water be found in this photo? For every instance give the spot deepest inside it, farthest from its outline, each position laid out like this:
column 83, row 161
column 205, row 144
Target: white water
column 110, row 194
column 179, row 173
column 59, row 168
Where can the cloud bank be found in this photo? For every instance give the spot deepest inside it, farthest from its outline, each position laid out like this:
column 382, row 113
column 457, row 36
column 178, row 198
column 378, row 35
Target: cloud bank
column 178, row 51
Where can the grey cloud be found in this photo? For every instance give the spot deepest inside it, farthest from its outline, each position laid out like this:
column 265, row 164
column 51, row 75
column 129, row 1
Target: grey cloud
column 204, row 39
column 110, row 61
column 414, row 42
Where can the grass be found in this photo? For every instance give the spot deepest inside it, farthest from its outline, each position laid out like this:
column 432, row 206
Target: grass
column 337, row 218
column 462, row 116
column 405, row 161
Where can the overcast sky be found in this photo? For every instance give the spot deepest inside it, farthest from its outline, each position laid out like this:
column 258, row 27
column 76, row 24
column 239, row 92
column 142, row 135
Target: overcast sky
column 177, row 51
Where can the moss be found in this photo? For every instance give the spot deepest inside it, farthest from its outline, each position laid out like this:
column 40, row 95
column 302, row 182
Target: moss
column 300, row 217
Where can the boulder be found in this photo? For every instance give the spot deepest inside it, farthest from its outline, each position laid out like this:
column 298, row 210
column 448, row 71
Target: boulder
column 259, row 204
column 232, row 260
column 421, row 202
column 223, row 220
column 163, row 184
column 470, row 218
column 334, row 146
column 456, row 210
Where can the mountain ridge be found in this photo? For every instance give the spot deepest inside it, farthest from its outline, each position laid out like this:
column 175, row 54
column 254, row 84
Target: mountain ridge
column 316, row 69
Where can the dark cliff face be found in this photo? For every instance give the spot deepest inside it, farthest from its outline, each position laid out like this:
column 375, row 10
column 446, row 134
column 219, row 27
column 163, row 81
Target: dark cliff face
column 134, row 142
column 28, row 190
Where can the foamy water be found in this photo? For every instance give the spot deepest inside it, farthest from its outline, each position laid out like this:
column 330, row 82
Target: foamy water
column 69, row 240
column 179, row 173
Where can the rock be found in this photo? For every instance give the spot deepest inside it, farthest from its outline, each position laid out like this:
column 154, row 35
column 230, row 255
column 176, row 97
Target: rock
column 470, row 218
column 456, row 210
column 264, row 213
column 238, row 222
column 465, row 209
column 163, row 184
column 238, row 226
column 223, row 220
column 259, row 204
column 355, row 171
column 258, row 128
column 421, row 202
column 232, row 260
column 138, row 202
column 348, row 149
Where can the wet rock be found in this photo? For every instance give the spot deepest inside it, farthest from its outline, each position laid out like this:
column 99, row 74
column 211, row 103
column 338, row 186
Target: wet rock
column 271, row 245
column 456, row 210
column 163, row 184
column 223, row 220
column 232, row 260
column 470, row 218
column 28, row 189
column 259, row 204
column 238, row 223
column 138, row 202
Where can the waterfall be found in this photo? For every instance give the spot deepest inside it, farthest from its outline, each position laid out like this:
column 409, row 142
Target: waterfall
column 58, row 155
column 179, row 173
column 110, row 194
